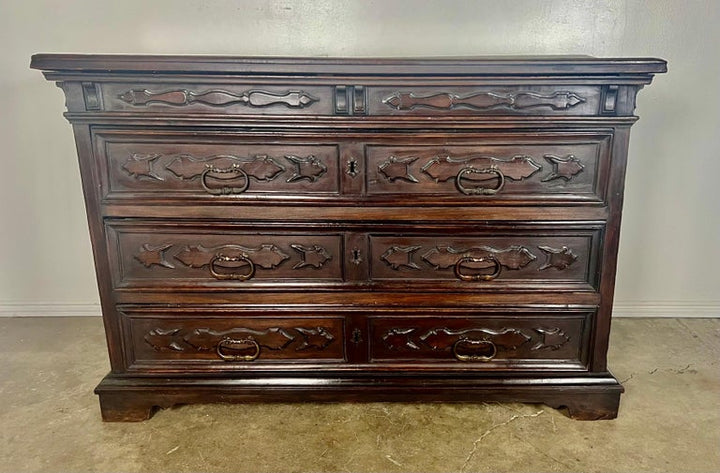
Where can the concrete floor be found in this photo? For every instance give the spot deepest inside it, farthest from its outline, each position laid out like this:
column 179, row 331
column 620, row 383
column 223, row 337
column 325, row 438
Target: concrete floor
column 669, row 417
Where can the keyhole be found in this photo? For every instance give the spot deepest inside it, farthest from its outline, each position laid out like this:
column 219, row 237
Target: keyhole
column 352, row 167
column 356, row 256
column 356, row 336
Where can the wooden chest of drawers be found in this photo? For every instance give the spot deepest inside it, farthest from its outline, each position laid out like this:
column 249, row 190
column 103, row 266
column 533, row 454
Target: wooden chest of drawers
column 278, row 229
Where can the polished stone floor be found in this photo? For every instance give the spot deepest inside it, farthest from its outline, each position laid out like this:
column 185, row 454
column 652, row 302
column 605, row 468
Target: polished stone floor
column 669, row 417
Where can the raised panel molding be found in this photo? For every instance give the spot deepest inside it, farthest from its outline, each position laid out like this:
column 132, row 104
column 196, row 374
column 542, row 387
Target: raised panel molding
column 660, row 309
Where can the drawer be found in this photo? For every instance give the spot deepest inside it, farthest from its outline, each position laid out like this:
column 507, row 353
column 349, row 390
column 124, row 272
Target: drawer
column 522, row 339
column 194, row 257
column 498, row 257
column 492, row 169
column 209, row 340
column 191, row 165
column 217, row 98
column 532, row 99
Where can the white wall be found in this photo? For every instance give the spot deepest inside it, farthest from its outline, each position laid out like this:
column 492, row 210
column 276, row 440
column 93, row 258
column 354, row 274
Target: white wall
column 671, row 230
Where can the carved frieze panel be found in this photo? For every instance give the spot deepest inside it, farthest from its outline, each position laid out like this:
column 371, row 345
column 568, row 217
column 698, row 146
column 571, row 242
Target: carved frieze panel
column 217, row 98
column 559, row 100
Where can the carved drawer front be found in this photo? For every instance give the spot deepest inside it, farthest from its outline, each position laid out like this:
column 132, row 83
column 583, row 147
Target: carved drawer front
column 196, row 258
column 521, row 168
column 522, row 339
column 194, row 98
column 404, row 99
column 214, row 166
column 488, row 260
column 221, row 340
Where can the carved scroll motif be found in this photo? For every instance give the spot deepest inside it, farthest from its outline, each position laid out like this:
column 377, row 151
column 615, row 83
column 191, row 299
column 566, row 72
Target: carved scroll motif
column 560, row 100
column 266, row 256
column 218, row 98
column 272, row 338
column 517, row 168
column 259, row 167
column 514, row 257
column 189, row 167
column 443, row 338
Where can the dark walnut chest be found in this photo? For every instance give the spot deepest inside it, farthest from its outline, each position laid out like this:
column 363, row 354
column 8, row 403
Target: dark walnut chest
column 288, row 229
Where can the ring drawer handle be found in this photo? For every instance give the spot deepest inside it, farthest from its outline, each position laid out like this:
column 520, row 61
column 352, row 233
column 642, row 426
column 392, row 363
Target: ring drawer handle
column 479, row 190
column 477, row 277
column 233, row 344
column 482, row 346
column 231, row 259
column 225, row 190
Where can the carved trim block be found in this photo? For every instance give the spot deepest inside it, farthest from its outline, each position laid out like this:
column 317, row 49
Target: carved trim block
column 565, row 168
column 309, row 168
column 313, row 256
column 154, row 255
column 558, row 258
column 395, row 168
column 397, row 257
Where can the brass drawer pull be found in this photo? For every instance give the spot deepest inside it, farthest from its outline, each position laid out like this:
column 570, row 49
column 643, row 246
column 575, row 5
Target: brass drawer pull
column 485, row 350
column 477, row 277
column 479, row 190
column 225, row 190
column 240, row 344
column 220, row 258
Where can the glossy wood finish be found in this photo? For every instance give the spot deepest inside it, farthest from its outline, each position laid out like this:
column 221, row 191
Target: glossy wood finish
column 285, row 229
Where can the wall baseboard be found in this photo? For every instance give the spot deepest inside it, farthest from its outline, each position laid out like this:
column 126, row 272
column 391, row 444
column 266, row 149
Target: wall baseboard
column 49, row 310
column 681, row 309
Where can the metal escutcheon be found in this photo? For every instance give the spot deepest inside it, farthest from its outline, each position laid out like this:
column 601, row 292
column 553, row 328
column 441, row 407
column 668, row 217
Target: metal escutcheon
column 477, row 277
column 230, row 343
column 483, row 346
column 220, row 258
column 479, row 190
column 225, row 190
